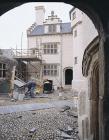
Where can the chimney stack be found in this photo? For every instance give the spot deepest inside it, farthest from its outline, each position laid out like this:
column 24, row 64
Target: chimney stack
column 40, row 14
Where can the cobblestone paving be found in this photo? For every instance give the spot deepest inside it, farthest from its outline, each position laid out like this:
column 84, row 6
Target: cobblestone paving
column 49, row 124
column 4, row 101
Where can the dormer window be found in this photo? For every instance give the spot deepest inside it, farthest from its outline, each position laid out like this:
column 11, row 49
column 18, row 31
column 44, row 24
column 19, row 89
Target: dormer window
column 52, row 28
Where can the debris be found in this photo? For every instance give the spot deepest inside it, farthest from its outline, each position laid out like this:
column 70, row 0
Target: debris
column 64, row 135
column 69, row 128
column 65, row 108
column 32, row 130
column 13, row 100
column 74, row 114
column 19, row 117
column 68, row 131
column 33, row 113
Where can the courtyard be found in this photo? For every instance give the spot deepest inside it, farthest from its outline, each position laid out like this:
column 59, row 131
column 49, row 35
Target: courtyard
column 46, row 117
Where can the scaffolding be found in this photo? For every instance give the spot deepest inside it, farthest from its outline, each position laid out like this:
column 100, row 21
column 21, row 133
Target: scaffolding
column 29, row 63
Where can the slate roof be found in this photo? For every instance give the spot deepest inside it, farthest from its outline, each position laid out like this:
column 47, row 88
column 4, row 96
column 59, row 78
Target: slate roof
column 39, row 30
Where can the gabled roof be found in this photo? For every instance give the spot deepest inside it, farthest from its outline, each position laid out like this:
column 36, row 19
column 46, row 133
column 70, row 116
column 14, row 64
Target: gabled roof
column 39, row 30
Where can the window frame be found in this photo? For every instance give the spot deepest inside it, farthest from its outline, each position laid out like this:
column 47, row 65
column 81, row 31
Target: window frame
column 3, row 70
column 50, row 49
column 50, row 70
column 52, row 28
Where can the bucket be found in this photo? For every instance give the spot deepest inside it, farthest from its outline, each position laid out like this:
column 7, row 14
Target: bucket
column 21, row 96
column 60, row 94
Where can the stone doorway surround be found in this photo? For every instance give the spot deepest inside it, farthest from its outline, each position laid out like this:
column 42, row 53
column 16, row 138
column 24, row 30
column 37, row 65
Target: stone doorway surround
column 64, row 75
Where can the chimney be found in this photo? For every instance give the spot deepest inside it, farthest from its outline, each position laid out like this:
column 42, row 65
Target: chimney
column 40, row 14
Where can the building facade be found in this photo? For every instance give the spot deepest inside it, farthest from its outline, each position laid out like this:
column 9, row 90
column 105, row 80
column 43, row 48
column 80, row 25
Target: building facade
column 54, row 39
column 62, row 46
column 83, row 33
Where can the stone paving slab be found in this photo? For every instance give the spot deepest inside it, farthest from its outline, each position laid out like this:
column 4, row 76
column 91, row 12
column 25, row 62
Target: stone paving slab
column 35, row 106
column 62, row 103
column 24, row 107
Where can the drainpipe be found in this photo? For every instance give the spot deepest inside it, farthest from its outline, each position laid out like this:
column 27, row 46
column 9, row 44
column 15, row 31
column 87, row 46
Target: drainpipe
column 61, row 55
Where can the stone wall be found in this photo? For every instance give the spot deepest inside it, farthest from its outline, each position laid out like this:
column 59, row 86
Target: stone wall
column 5, row 83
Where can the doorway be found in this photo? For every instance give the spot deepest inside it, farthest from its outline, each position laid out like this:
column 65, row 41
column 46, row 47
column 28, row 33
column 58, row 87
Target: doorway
column 68, row 76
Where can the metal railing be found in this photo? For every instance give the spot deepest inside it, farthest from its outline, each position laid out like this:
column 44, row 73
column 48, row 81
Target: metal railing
column 27, row 53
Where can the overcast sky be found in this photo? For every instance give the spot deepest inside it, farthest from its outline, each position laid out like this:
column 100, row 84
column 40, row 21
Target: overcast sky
column 16, row 21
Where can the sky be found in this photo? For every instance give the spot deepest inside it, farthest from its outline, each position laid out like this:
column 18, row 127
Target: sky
column 14, row 23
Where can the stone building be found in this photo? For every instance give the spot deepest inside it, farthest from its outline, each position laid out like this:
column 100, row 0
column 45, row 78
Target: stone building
column 98, row 11
column 54, row 39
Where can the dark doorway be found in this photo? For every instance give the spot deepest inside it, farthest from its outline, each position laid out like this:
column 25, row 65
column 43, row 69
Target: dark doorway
column 68, row 76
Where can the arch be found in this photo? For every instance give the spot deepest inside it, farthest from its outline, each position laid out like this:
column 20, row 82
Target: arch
column 64, row 70
column 94, row 111
column 94, row 15
column 89, row 53
column 68, row 76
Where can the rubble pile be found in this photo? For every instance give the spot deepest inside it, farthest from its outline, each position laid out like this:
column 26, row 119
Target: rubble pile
column 47, row 124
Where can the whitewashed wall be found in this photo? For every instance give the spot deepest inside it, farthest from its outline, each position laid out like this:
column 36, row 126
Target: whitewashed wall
column 67, row 54
column 86, row 32
column 66, row 43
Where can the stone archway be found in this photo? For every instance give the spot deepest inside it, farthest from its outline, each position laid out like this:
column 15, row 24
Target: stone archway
column 91, row 70
column 94, row 101
column 83, row 5
column 68, row 76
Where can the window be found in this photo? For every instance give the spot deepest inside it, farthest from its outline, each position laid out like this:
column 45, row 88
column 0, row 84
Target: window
column 52, row 28
column 75, row 60
column 73, row 15
column 50, row 70
column 50, row 48
column 75, row 33
column 2, row 70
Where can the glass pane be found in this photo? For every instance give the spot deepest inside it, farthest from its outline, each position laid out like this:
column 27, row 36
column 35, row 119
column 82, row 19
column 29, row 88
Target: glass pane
column 51, row 45
column 55, row 45
column 48, row 46
column 0, row 73
column 50, row 28
column 48, row 51
column 44, row 72
column 0, row 65
column 48, row 66
column 44, row 51
column 44, row 66
column 55, row 72
column 51, row 72
column 51, row 66
column 48, row 72
column 45, row 46
column 51, row 51
column 4, row 73
column 33, row 51
column 54, row 28
column 55, row 51
column 55, row 66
